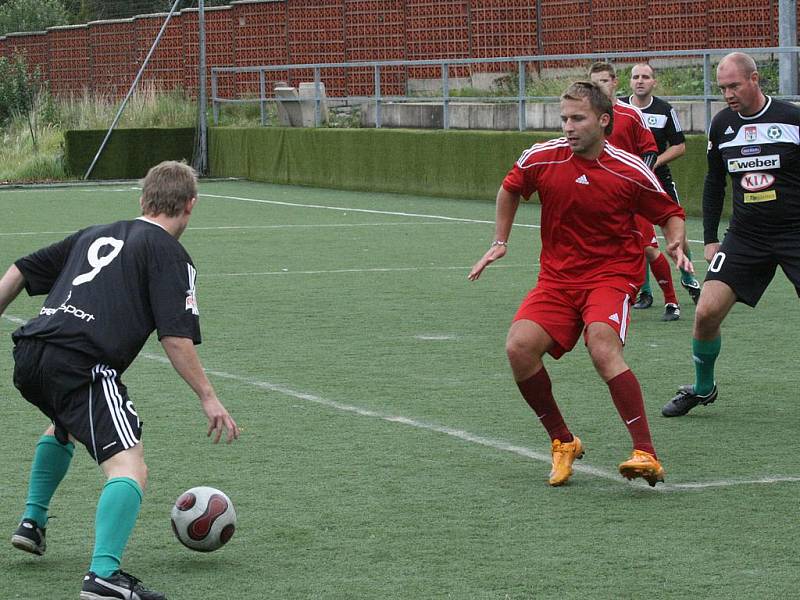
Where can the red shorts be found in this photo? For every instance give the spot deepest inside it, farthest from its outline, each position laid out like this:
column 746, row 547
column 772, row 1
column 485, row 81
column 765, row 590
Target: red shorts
column 563, row 314
column 647, row 232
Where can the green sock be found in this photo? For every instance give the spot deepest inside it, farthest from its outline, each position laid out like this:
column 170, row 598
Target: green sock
column 687, row 277
column 646, row 289
column 116, row 515
column 50, row 463
column 704, row 355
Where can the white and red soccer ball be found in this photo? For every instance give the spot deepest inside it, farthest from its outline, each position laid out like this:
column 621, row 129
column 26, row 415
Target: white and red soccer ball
column 203, row 519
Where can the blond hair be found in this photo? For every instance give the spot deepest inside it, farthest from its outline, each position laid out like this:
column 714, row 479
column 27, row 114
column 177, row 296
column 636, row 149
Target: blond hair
column 600, row 103
column 167, row 188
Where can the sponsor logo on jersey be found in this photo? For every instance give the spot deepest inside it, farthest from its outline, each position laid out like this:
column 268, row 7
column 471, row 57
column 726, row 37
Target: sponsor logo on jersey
column 750, row 134
column 759, row 163
column 583, row 180
column 729, row 130
column 754, row 182
column 760, row 197
column 68, row 309
column 751, row 150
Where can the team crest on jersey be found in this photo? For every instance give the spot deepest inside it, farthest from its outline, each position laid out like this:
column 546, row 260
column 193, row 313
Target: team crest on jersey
column 750, row 134
column 191, row 293
column 774, row 132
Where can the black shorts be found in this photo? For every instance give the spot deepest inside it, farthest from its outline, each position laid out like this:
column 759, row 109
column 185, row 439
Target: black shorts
column 669, row 186
column 748, row 266
column 84, row 399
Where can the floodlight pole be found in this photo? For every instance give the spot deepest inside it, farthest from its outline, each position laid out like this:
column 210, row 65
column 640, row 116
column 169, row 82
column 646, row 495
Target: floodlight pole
column 132, row 88
column 787, row 36
column 201, row 152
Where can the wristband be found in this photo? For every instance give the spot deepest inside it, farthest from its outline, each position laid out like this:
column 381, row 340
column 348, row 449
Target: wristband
column 499, row 243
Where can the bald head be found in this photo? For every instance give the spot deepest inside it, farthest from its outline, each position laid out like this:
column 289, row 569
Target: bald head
column 740, row 61
column 737, row 78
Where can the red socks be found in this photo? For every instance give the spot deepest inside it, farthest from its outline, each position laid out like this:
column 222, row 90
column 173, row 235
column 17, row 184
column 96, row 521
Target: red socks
column 663, row 274
column 627, row 396
column 538, row 393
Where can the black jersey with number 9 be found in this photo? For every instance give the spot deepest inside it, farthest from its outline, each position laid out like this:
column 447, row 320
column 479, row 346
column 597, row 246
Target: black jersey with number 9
column 109, row 287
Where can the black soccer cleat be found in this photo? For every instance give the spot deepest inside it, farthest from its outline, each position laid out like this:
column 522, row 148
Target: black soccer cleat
column 686, row 400
column 672, row 312
column 120, row 586
column 29, row 537
column 693, row 287
column 645, row 300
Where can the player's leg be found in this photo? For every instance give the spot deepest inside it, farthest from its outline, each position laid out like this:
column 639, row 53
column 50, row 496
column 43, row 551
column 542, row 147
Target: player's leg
column 688, row 280
column 604, row 340
column 663, row 274
column 645, row 298
column 526, row 344
column 112, row 436
column 51, row 461
column 53, row 453
column 740, row 271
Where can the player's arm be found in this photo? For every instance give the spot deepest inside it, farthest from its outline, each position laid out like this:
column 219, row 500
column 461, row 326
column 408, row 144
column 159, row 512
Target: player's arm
column 506, row 208
column 184, row 359
column 713, row 199
column 674, row 230
column 670, row 154
column 675, row 138
column 11, row 284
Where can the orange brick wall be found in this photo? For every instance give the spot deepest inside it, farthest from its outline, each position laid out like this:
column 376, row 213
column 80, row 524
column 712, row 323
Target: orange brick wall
column 103, row 57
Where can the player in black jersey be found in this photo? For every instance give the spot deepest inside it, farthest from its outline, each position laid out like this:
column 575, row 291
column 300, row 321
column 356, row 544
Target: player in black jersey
column 108, row 287
column 755, row 140
column 663, row 121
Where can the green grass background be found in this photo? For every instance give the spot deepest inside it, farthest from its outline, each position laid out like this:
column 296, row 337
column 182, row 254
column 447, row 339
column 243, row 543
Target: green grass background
column 341, row 305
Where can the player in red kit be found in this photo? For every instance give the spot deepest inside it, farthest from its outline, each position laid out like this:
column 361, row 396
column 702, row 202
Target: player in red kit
column 591, row 268
column 631, row 134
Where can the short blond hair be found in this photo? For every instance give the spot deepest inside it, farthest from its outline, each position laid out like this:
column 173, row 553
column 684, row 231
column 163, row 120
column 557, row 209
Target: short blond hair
column 168, row 188
column 600, row 103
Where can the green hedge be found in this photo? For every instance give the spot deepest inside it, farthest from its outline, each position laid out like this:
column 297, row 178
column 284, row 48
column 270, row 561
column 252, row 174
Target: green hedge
column 461, row 164
column 129, row 153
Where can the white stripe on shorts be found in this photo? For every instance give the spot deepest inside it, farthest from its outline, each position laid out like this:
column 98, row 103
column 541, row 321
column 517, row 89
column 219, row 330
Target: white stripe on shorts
column 114, row 401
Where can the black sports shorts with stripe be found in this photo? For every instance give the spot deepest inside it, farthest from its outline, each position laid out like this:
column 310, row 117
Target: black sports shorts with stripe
column 83, row 399
column 748, row 265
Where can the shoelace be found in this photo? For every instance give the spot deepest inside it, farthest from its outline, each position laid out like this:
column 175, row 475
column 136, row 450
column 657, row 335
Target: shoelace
column 132, row 581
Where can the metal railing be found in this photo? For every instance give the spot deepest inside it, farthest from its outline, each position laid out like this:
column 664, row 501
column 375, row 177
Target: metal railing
column 521, row 99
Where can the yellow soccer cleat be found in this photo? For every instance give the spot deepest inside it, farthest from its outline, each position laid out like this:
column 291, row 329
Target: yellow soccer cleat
column 645, row 465
column 564, row 454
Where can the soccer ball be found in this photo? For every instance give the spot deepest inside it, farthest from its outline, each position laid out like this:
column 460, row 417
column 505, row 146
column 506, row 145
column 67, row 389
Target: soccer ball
column 203, row 519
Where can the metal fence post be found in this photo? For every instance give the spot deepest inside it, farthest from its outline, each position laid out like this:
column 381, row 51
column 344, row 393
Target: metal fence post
column 377, row 96
column 707, row 88
column 445, row 96
column 522, row 118
column 214, row 103
column 262, row 93
column 317, row 99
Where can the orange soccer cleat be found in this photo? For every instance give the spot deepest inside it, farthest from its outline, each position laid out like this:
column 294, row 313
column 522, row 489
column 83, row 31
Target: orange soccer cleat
column 564, row 454
column 645, row 465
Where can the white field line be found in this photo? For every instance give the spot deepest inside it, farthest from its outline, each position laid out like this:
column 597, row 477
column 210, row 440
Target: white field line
column 466, row 436
column 346, row 209
column 372, row 270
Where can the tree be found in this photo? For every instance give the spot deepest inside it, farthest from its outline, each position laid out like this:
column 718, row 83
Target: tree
column 31, row 15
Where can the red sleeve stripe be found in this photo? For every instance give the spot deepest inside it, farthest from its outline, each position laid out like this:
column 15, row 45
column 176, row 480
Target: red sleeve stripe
column 632, row 161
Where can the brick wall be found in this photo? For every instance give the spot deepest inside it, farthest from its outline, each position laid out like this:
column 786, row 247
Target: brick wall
column 104, row 56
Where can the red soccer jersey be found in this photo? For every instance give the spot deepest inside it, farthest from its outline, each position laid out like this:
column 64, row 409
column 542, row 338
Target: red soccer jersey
column 630, row 131
column 588, row 232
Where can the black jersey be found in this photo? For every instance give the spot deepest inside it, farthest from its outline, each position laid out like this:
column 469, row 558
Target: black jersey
column 761, row 153
column 663, row 121
column 108, row 287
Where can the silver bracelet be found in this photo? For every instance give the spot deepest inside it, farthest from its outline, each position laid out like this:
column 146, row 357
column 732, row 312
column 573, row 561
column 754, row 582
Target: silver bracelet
column 499, row 243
